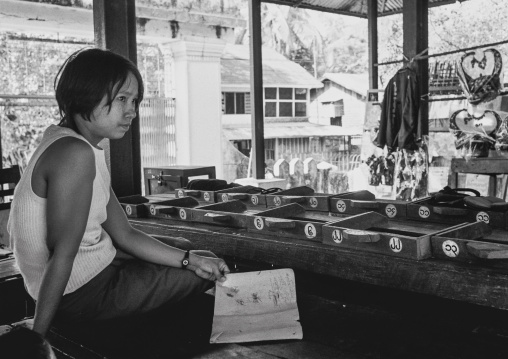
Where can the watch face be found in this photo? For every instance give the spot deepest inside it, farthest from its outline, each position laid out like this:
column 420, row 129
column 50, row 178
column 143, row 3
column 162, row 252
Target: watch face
column 185, row 262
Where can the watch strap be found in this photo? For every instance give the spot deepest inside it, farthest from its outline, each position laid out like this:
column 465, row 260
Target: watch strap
column 185, row 260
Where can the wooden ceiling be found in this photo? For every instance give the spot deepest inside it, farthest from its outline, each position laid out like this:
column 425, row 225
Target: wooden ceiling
column 353, row 7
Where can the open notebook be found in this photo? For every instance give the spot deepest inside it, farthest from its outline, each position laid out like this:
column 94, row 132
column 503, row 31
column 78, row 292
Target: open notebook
column 256, row 306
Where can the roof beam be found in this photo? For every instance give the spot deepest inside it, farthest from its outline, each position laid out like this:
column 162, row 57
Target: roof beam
column 315, row 7
column 326, row 8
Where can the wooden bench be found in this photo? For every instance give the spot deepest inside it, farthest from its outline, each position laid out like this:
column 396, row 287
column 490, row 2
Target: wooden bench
column 62, row 346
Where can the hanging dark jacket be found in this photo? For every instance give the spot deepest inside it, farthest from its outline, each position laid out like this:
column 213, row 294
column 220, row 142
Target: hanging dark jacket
column 400, row 126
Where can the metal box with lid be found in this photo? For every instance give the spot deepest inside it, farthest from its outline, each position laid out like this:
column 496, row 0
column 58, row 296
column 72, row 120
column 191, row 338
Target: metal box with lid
column 167, row 179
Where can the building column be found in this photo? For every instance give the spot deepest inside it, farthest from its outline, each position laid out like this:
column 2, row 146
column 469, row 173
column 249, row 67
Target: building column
column 197, row 90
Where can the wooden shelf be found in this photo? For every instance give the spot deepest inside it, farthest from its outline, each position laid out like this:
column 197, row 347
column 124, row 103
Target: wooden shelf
column 487, row 165
column 464, row 282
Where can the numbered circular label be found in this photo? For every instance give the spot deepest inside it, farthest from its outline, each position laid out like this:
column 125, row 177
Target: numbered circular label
column 313, row 202
column 482, row 217
column 450, row 248
column 341, row 206
column 391, row 210
column 225, row 197
column 183, row 213
column 277, row 201
column 259, row 223
column 310, row 230
column 206, row 196
column 395, row 244
column 180, row 193
column 152, row 210
column 424, row 212
column 128, row 210
column 337, row 236
column 254, row 200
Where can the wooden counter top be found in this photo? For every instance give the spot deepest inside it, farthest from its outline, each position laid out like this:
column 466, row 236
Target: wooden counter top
column 458, row 281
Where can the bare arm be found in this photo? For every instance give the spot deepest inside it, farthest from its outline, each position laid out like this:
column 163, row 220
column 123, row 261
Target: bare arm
column 69, row 169
column 151, row 250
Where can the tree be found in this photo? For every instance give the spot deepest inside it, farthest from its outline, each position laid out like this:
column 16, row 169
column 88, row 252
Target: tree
column 320, row 42
column 451, row 27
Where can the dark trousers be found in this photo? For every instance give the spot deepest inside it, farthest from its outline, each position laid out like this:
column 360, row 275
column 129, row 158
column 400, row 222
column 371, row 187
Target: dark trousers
column 135, row 309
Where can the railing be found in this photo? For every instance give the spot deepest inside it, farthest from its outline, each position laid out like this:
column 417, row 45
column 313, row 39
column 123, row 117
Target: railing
column 346, row 162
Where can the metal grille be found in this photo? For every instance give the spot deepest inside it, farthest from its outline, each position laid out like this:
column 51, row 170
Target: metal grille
column 157, row 132
column 443, row 77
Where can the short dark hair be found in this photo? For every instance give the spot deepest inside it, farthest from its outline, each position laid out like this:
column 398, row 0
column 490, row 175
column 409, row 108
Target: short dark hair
column 86, row 77
column 23, row 343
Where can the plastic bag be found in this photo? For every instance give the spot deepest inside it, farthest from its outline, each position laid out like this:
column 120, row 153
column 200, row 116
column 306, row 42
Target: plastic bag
column 501, row 145
column 474, row 135
column 480, row 74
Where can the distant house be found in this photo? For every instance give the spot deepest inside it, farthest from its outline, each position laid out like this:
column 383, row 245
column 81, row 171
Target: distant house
column 288, row 132
column 341, row 101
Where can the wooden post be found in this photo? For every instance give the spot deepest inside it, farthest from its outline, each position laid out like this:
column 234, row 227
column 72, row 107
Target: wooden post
column 372, row 29
column 115, row 30
column 415, row 19
column 256, row 90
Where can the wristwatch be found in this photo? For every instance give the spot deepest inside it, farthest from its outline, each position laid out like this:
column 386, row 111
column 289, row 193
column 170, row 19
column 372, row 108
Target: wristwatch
column 185, row 261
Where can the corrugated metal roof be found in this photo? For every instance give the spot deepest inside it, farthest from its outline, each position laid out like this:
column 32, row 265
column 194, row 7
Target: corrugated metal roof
column 289, row 130
column 278, row 71
column 353, row 7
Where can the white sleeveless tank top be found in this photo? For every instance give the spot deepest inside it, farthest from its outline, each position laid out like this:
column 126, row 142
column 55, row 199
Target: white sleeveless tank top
column 28, row 231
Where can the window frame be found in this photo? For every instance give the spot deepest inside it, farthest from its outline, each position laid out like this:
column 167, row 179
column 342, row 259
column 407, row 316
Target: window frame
column 278, row 101
column 246, row 102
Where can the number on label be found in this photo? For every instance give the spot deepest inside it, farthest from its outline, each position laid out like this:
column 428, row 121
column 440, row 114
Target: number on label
column 391, row 210
column 337, row 236
column 482, row 217
column 341, row 206
column 395, row 244
column 258, row 223
column 310, row 230
column 450, row 248
column 313, row 202
column 424, row 212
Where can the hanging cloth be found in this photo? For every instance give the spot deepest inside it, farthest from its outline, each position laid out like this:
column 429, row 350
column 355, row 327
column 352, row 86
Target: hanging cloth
column 400, row 125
